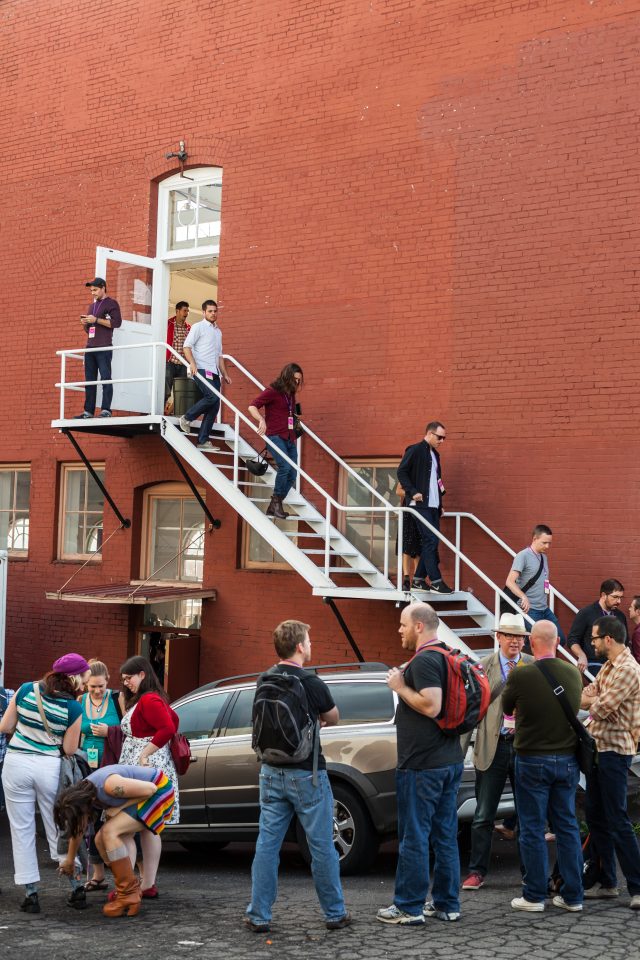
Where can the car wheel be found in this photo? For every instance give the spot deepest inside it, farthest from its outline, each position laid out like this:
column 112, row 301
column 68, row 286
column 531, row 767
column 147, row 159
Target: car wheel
column 203, row 848
column 353, row 834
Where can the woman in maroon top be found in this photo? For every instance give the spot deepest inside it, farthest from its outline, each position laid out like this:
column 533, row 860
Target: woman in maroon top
column 148, row 726
column 279, row 404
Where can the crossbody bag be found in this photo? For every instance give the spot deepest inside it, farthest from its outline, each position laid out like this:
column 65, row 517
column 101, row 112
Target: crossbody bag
column 507, row 608
column 586, row 749
column 47, row 729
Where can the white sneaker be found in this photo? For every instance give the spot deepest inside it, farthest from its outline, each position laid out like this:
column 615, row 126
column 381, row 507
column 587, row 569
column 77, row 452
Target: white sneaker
column 208, row 447
column 634, row 903
column 562, row 903
column 519, row 903
column 429, row 910
column 393, row 914
column 601, row 893
column 185, row 425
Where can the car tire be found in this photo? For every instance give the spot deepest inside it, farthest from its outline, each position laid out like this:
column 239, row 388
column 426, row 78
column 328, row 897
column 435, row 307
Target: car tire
column 355, row 838
column 203, row 848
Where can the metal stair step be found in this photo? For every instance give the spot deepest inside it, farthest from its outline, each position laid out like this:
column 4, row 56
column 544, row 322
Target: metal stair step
column 358, row 570
column 471, row 632
column 333, row 553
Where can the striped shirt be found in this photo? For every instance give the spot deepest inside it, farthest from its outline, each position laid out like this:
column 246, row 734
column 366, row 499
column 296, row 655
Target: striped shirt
column 616, row 710
column 30, row 735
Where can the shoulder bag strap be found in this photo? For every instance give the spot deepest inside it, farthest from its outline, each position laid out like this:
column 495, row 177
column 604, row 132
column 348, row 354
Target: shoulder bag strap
column 47, row 728
column 534, row 578
column 561, row 697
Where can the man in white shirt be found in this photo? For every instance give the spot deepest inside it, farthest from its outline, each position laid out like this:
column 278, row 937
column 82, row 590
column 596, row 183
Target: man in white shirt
column 203, row 350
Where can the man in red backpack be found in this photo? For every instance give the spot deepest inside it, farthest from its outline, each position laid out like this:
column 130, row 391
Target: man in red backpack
column 427, row 779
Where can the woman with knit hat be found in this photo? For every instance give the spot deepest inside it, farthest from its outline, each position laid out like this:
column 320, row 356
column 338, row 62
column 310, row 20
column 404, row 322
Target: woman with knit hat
column 43, row 719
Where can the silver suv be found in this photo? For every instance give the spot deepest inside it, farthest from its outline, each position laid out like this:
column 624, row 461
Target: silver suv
column 219, row 799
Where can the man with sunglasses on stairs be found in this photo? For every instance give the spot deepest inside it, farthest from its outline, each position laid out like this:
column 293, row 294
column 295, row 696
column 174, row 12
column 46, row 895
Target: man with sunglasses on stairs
column 420, row 477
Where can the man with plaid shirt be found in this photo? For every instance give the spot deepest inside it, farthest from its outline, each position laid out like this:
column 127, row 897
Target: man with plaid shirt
column 613, row 702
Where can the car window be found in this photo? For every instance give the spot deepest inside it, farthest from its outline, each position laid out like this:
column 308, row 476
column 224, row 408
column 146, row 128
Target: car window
column 360, row 702
column 240, row 720
column 199, row 717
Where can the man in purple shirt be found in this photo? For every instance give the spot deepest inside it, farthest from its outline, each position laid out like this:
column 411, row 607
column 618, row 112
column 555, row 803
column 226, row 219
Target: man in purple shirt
column 99, row 322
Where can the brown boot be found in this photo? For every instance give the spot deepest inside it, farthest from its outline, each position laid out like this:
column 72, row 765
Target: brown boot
column 275, row 508
column 127, row 899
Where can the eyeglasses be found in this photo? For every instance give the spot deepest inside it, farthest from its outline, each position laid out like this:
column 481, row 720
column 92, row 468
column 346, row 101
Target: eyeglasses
column 616, row 596
column 439, row 436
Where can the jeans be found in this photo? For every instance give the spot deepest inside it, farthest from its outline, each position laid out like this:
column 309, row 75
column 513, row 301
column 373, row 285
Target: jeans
column 94, row 363
column 429, row 543
column 544, row 783
column 207, row 406
column 283, row 792
column 427, row 811
column 489, row 786
column 28, row 777
column 609, row 823
column 547, row 614
column 286, row 475
column 172, row 371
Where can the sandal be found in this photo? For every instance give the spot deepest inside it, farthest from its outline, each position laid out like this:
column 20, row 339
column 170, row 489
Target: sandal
column 92, row 885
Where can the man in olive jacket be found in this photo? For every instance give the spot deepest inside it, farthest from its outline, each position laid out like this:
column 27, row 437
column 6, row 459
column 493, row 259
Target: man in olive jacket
column 494, row 754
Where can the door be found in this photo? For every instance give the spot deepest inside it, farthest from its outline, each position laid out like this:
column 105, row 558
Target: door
column 139, row 285
column 174, row 656
column 232, row 792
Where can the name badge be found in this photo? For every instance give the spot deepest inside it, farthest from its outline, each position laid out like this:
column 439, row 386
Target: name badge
column 290, row 423
column 92, row 757
column 547, row 587
column 209, row 374
column 509, row 722
column 440, row 485
column 92, row 332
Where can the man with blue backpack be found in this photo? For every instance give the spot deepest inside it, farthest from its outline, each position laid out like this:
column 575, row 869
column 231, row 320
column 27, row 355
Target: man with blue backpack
column 289, row 708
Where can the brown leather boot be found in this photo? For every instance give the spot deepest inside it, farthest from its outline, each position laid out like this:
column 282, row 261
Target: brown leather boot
column 127, row 899
column 275, row 508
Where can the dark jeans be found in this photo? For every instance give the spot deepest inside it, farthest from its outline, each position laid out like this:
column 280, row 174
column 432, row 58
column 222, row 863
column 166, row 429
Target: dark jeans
column 427, row 811
column 547, row 614
column 94, row 363
column 429, row 543
column 609, row 823
column 548, row 783
column 173, row 371
column 286, row 475
column 489, row 786
column 207, row 407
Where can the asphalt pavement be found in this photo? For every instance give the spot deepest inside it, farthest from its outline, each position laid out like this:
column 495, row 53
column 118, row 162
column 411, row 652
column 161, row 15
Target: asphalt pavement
column 203, row 898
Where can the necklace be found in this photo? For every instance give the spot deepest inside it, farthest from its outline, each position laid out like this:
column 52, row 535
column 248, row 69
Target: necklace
column 98, row 710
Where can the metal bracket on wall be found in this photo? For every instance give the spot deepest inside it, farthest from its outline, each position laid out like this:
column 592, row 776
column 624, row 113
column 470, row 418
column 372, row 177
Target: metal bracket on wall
column 345, row 629
column 123, row 520
column 216, row 524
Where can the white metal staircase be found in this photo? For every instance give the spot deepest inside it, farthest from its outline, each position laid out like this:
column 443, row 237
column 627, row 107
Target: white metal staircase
column 313, row 541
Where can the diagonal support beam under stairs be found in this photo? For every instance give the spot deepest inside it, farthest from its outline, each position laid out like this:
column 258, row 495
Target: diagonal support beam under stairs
column 123, row 520
column 216, row 524
column 345, row 629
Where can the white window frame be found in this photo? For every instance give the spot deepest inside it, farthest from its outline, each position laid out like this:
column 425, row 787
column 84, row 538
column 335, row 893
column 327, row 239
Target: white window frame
column 66, row 470
column 165, row 491
column 200, row 176
column 17, row 468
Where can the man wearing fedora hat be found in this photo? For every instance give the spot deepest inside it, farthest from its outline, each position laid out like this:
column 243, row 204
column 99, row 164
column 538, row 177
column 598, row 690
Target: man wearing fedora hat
column 493, row 756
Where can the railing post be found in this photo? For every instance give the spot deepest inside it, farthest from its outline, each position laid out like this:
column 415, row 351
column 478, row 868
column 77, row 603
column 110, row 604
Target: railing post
column 457, row 560
column 153, row 380
column 386, row 545
column 299, row 447
column 399, row 557
column 236, row 427
column 327, row 536
column 496, row 614
column 63, row 377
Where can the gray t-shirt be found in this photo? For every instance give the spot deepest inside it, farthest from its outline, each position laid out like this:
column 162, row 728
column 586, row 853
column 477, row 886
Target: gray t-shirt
column 527, row 563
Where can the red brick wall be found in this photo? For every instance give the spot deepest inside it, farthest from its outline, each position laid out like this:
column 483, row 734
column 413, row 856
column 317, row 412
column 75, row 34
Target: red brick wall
column 432, row 207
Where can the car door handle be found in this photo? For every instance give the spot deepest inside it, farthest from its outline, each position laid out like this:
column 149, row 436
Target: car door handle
column 193, row 759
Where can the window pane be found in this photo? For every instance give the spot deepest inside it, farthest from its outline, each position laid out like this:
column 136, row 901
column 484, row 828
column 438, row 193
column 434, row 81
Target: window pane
column 199, row 718
column 73, row 534
column 5, row 520
column 363, row 702
column 258, row 550
column 167, row 512
column 92, row 534
column 210, row 198
column 23, row 483
column 131, row 287
column 75, row 486
column 18, row 536
column 177, row 528
column 95, row 497
column 183, row 212
column 6, row 489
column 240, row 719
column 366, row 530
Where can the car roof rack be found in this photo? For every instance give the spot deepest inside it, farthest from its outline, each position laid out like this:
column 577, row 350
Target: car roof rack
column 361, row 666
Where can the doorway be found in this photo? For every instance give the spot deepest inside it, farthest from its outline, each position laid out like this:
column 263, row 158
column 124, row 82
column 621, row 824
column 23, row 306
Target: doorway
column 194, row 281
column 174, row 656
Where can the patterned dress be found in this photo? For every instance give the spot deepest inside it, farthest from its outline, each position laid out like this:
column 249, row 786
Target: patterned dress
column 132, row 747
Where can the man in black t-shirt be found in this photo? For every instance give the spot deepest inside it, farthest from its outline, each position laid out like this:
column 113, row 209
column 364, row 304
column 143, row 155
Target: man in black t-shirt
column 289, row 790
column 427, row 778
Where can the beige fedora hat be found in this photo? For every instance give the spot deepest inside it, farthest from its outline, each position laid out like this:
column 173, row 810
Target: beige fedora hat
column 512, row 623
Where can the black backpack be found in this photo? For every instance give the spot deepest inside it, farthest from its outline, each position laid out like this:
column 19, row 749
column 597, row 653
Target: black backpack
column 283, row 731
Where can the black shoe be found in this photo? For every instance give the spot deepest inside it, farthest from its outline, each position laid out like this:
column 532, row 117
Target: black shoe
column 406, row 584
column 256, row 927
column 30, row 904
column 78, row 899
column 418, row 583
column 439, row 586
column 339, row 924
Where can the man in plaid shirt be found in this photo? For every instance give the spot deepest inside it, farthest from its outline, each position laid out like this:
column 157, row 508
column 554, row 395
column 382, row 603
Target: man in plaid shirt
column 5, row 700
column 613, row 702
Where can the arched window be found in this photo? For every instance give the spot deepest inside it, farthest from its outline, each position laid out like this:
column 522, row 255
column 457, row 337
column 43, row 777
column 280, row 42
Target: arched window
column 174, row 525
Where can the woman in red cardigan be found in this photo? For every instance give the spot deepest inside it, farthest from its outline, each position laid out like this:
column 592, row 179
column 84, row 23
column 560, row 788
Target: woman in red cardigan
column 148, row 726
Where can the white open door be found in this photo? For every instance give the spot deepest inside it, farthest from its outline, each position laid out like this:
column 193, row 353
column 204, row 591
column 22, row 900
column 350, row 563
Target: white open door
column 139, row 285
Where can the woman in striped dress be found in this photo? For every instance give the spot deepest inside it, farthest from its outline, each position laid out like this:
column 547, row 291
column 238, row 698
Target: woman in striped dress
column 44, row 719
column 135, row 800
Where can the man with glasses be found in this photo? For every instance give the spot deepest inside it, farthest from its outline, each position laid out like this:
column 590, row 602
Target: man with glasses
column 579, row 640
column 420, row 477
column 613, row 702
